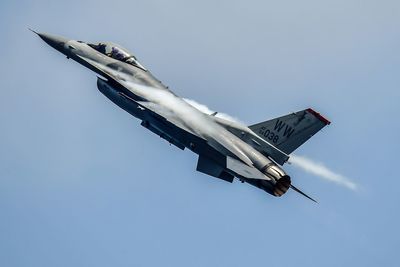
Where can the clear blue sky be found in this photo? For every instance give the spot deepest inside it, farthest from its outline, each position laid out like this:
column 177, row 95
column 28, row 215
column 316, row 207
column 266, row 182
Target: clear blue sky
column 83, row 184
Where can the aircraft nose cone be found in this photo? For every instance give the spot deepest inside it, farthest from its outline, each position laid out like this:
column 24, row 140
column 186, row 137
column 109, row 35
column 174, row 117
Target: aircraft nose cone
column 56, row 42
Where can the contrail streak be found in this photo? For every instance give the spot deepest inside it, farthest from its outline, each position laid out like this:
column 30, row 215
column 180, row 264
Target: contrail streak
column 320, row 170
column 207, row 110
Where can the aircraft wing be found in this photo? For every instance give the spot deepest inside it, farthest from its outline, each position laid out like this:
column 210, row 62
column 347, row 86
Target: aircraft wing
column 165, row 114
column 218, row 142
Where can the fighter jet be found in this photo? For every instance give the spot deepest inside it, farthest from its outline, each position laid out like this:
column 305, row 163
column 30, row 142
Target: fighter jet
column 227, row 149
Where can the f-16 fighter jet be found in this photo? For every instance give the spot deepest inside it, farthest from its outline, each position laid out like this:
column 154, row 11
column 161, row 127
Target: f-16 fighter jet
column 227, row 149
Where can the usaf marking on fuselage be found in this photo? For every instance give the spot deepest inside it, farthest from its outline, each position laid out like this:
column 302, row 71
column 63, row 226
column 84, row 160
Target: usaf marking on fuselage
column 226, row 149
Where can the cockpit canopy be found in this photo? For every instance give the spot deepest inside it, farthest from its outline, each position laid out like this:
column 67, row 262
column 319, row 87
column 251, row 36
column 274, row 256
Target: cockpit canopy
column 118, row 53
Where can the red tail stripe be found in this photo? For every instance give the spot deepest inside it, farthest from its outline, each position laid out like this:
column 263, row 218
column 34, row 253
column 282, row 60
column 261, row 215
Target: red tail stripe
column 319, row 116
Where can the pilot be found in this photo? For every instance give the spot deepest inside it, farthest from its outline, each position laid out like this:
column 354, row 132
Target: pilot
column 102, row 48
column 116, row 53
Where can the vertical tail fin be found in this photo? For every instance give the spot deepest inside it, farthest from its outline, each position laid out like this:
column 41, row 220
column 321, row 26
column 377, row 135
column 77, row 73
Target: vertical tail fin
column 289, row 132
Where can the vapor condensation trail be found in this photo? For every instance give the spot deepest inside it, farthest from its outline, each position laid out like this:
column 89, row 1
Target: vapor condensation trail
column 207, row 110
column 322, row 171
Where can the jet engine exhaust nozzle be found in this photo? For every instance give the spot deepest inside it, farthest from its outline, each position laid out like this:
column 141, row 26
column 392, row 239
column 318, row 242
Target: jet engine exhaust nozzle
column 282, row 186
